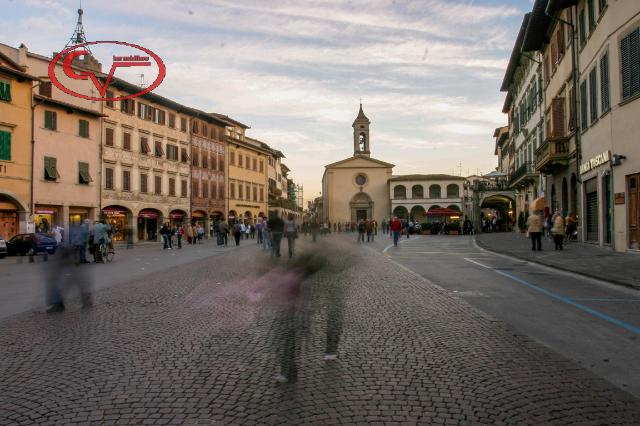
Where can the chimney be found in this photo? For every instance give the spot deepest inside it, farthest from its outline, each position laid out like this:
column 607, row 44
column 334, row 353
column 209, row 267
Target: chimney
column 22, row 55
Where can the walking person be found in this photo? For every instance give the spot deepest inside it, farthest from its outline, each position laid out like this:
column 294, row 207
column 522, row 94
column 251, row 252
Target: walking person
column 314, row 230
column 200, row 233
column 81, row 239
column 179, row 234
column 361, row 230
column 259, row 228
column 407, row 226
column 223, row 231
column 164, row 232
column 237, row 232
column 558, row 230
column 395, row 226
column 291, row 232
column 534, row 224
column 276, row 228
column 369, row 227
column 189, row 234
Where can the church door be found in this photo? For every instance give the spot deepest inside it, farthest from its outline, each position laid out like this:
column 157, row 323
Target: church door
column 361, row 215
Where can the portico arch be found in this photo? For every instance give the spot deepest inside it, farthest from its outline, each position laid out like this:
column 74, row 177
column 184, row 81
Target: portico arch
column 401, row 212
column 361, row 207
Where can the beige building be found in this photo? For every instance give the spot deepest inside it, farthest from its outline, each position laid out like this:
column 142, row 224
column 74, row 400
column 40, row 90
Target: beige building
column 247, row 171
column 15, row 147
column 412, row 196
column 357, row 187
column 145, row 163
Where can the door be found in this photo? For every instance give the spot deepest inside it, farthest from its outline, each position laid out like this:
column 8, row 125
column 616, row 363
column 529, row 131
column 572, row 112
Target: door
column 591, row 189
column 633, row 191
column 361, row 215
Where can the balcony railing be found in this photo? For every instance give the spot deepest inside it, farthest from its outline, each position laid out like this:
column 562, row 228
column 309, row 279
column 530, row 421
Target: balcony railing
column 490, row 186
column 552, row 154
column 523, row 173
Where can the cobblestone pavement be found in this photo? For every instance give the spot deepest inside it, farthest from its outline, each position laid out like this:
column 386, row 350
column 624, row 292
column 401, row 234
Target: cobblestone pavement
column 232, row 340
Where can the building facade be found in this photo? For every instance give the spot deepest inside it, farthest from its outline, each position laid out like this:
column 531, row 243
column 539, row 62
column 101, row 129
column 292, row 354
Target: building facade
column 412, row 196
column 15, row 147
column 145, row 164
column 207, row 169
column 357, row 187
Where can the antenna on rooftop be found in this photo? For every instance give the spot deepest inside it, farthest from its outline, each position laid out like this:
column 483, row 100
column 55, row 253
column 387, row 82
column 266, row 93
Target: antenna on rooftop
column 78, row 36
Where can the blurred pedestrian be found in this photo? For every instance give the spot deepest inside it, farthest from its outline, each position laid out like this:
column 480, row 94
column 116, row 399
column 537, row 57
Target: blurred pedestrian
column 166, row 241
column 534, row 224
column 81, row 239
column 315, row 227
column 237, row 232
column 179, row 234
column 291, row 232
column 362, row 228
column 369, row 228
column 199, row 233
column 64, row 272
column 276, row 228
column 100, row 236
column 558, row 230
column 396, row 227
column 223, row 231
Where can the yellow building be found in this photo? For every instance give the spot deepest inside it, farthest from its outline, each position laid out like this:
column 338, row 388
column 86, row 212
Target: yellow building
column 15, row 147
column 247, row 163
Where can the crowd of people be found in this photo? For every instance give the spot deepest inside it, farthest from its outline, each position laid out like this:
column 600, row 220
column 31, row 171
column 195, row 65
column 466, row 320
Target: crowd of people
column 556, row 227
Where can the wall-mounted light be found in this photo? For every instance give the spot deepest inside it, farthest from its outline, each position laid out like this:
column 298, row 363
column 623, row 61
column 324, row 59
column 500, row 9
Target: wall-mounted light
column 616, row 159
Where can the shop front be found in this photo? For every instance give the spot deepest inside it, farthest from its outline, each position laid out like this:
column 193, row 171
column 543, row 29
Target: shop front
column 46, row 217
column 598, row 199
column 9, row 218
column 200, row 218
column 119, row 218
column 149, row 221
column 176, row 218
column 214, row 220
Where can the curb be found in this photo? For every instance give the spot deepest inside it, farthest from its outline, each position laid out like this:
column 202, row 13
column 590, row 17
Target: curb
column 562, row 268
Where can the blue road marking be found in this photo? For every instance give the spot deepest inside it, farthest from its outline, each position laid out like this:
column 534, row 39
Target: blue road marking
column 566, row 300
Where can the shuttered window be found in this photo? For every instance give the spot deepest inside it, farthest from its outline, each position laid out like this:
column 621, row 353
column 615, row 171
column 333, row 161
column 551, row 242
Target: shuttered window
column 45, row 89
column 572, row 97
column 109, row 102
column 83, row 173
column 144, row 146
column 144, row 183
column 108, row 178
column 584, row 106
column 126, row 141
column 593, row 94
column 558, row 117
column 195, row 190
column 50, row 120
column 630, row 64
column 583, row 28
column 172, row 186
column 184, row 157
column 108, row 136
column 605, row 94
column 158, row 185
column 183, row 188
column 5, row 91
column 126, row 180
column 50, row 169
column 83, row 128
column 5, row 145
column 592, row 16
column 602, row 5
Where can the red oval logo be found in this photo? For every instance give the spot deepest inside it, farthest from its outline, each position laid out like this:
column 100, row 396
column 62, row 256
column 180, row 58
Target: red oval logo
column 69, row 54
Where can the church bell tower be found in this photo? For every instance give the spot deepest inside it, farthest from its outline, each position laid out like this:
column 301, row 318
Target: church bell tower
column 361, row 135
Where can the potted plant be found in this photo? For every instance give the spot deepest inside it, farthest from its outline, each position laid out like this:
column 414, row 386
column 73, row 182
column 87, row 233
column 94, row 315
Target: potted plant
column 453, row 228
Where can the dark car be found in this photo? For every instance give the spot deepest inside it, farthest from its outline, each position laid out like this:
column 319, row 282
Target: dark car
column 3, row 248
column 29, row 244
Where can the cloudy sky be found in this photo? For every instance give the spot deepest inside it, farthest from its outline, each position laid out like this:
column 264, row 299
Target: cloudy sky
column 428, row 71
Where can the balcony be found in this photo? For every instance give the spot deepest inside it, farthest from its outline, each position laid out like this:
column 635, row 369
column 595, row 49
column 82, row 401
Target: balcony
column 523, row 175
column 553, row 154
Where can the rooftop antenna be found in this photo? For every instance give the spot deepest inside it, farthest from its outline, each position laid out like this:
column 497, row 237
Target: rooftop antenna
column 78, row 36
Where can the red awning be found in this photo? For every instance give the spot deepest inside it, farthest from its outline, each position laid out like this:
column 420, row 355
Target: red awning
column 113, row 211
column 148, row 214
column 176, row 215
column 443, row 212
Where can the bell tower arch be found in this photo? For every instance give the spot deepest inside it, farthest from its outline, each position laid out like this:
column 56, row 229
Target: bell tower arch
column 361, row 135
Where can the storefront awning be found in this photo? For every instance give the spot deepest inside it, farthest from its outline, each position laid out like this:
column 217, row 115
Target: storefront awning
column 442, row 212
column 148, row 214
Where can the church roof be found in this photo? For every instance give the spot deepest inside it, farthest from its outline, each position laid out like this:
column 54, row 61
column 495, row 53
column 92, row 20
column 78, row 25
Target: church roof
column 373, row 160
column 361, row 116
column 425, row 177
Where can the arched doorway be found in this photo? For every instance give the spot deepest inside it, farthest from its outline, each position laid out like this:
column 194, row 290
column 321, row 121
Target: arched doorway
column 401, row 212
column 247, row 217
column 120, row 219
column 177, row 217
column 233, row 216
column 417, row 214
column 361, row 207
column 149, row 222
column 502, row 208
column 199, row 218
column 12, row 213
column 431, row 219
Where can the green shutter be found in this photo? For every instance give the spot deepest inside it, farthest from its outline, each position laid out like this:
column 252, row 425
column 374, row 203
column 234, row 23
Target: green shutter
column 604, row 83
column 50, row 170
column 584, row 113
column 593, row 94
column 83, row 172
column 50, row 120
column 84, row 128
column 5, row 146
column 5, row 91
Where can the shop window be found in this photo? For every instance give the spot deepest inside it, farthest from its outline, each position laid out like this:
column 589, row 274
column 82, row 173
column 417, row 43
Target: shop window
column 50, row 120
column 50, row 169
column 84, row 178
column 5, row 145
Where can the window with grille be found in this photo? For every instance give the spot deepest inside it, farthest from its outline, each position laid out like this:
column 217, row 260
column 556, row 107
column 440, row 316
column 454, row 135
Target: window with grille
column 83, row 128
column 109, row 136
column 195, row 161
column 126, row 180
column 50, row 120
column 157, row 188
column 605, row 94
column 126, row 141
column 184, row 157
column 84, row 178
column 144, row 183
column 630, row 64
column 50, row 169
column 108, row 178
column 5, row 145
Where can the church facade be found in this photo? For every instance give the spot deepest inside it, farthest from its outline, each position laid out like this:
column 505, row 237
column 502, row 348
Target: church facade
column 357, row 187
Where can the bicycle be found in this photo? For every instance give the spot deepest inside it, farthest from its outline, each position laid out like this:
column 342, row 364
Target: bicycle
column 106, row 252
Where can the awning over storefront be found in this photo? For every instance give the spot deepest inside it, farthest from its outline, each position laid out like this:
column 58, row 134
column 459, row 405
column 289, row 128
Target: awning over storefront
column 176, row 214
column 148, row 214
column 114, row 211
column 442, row 212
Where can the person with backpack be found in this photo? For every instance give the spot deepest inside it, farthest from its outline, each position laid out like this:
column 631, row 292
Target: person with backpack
column 237, row 232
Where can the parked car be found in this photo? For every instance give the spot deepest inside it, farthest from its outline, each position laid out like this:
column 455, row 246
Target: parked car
column 29, row 244
column 3, row 248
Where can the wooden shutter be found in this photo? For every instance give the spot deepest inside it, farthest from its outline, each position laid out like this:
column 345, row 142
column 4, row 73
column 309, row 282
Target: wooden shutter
column 108, row 136
column 572, row 95
column 604, row 83
column 45, row 89
column 558, row 119
column 83, row 172
column 108, row 178
column 560, row 40
column 50, row 169
column 126, row 141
